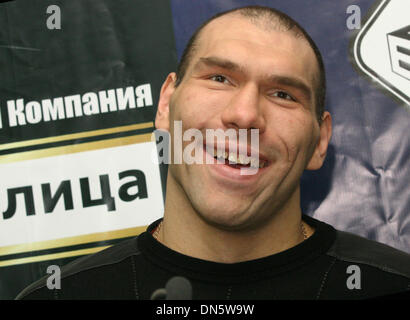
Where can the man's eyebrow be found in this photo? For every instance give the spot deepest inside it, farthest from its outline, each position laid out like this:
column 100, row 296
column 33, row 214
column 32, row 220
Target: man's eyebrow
column 218, row 62
column 292, row 82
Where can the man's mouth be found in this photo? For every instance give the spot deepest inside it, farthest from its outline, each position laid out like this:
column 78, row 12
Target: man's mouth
column 238, row 160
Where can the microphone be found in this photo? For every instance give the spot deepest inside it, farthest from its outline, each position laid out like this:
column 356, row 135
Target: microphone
column 177, row 288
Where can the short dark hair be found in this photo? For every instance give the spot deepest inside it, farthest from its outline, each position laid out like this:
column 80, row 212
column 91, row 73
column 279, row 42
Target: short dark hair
column 282, row 22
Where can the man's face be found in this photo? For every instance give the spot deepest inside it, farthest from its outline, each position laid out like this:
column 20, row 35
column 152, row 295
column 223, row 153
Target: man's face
column 242, row 76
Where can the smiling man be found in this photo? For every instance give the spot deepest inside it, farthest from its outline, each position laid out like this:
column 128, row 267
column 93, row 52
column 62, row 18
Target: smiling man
column 243, row 74
column 236, row 236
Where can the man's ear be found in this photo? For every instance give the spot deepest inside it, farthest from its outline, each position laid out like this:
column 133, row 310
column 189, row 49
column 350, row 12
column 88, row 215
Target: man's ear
column 167, row 89
column 319, row 155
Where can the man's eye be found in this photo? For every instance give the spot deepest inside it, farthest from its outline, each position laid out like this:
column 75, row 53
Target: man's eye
column 219, row 78
column 283, row 95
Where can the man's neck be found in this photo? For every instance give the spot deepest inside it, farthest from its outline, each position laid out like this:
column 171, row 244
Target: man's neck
column 184, row 231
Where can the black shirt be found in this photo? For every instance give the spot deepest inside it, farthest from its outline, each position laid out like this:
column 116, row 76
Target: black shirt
column 330, row 264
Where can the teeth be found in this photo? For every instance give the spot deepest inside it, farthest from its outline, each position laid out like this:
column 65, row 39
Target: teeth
column 241, row 159
column 255, row 164
column 220, row 153
column 244, row 160
column 233, row 158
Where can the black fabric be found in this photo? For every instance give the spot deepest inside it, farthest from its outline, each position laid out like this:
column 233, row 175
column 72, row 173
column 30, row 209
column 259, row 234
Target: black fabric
column 314, row 269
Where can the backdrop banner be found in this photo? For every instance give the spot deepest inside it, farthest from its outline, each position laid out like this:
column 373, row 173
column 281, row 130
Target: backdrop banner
column 78, row 98
column 78, row 95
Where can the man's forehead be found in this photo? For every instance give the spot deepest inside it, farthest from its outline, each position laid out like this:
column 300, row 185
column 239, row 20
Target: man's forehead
column 217, row 26
column 235, row 22
column 235, row 26
column 221, row 34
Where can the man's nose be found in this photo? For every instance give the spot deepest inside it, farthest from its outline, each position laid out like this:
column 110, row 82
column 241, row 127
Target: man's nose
column 244, row 110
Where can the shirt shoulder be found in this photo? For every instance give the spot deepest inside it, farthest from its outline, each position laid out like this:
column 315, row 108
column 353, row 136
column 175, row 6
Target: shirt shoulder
column 91, row 268
column 352, row 248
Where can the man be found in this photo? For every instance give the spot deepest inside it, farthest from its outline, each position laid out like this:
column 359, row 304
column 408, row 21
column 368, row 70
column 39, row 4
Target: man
column 237, row 236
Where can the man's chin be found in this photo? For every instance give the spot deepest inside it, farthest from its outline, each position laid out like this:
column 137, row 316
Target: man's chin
column 227, row 220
